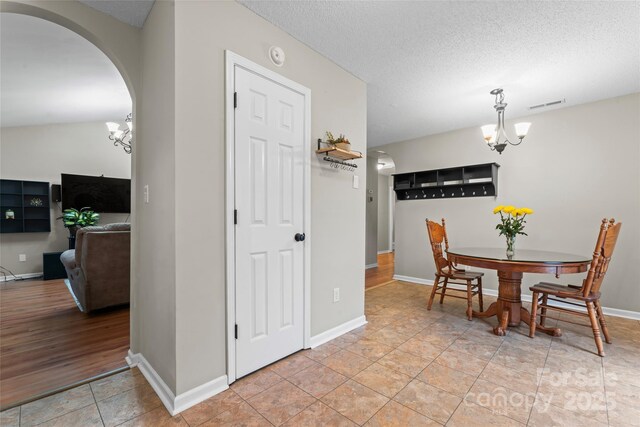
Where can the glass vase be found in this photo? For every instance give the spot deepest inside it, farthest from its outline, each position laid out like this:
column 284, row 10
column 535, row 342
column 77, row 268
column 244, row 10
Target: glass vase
column 511, row 246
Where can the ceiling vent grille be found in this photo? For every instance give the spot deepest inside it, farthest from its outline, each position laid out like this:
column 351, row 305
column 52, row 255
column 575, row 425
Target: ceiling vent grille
column 548, row 104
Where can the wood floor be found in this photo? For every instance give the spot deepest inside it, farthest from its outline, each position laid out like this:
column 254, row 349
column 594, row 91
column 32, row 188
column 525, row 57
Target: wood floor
column 47, row 343
column 381, row 274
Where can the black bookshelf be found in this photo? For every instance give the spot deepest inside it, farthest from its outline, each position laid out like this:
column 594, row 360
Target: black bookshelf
column 463, row 181
column 29, row 201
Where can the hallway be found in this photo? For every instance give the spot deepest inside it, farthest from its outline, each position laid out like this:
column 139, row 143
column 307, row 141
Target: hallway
column 382, row 274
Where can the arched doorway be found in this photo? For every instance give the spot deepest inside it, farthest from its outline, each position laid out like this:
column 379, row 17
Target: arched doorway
column 110, row 45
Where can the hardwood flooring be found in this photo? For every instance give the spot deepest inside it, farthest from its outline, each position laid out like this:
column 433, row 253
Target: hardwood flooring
column 381, row 274
column 47, row 343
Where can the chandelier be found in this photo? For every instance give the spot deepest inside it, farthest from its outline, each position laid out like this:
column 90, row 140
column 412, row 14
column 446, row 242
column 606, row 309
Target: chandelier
column 494, row 135
column 119, row 136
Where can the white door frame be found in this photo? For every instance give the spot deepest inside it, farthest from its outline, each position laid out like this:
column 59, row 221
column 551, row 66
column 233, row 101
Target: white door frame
column 231, row 61
column 391, row 209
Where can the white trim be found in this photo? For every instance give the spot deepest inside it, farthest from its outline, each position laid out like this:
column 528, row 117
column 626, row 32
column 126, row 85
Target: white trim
column 391, row 208
column 183, row 401
column 368, row 266
column 131, row 359
column 616, row 312
column 416, row 280
column 10, row 278
column 231, row 61
column 199, row 394
column 388, row 251
column 332, row 333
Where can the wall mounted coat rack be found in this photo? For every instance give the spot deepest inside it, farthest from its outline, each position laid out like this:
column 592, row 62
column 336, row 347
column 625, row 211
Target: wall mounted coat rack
column 465, row 181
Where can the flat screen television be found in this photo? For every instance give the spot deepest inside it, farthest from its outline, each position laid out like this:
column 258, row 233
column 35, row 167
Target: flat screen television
column 100, row 193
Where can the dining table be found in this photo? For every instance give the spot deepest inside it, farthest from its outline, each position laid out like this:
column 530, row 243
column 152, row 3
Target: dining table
column 508, row 308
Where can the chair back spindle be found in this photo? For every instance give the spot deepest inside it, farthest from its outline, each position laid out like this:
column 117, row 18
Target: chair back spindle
column 438, row 235
column 602, row 253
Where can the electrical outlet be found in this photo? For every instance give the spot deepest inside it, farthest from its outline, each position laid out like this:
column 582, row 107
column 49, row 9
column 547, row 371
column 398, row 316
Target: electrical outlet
column 146, row 194
column 22, row 257
column 336, row 294
column 356, row 181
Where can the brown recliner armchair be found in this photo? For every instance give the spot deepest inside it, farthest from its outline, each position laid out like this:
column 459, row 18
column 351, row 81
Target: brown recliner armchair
column 98, row 268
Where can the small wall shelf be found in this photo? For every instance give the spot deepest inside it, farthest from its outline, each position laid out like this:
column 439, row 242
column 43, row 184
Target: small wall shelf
column 29, row 201
column 337, row 155
column 464, row 181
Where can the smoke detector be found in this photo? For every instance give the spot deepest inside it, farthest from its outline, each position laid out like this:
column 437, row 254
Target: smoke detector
column 276, row 54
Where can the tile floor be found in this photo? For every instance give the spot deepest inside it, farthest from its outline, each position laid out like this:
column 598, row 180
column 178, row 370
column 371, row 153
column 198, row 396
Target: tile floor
column 406, row 367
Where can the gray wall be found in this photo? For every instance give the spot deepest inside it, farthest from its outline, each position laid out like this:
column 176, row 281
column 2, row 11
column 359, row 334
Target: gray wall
column 203, row 30
column 576, row 166
column 42, row 153
column 154, row 296
column 383, row 213
column 371, row 254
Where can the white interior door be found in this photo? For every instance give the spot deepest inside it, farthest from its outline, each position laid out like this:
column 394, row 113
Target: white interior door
column 269, row 199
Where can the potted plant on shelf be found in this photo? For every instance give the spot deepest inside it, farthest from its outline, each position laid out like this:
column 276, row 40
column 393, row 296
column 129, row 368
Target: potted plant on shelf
column 74, row 219
column 340, row 142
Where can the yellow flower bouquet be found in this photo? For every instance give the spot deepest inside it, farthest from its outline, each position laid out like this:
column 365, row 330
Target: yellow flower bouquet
column 512, row 222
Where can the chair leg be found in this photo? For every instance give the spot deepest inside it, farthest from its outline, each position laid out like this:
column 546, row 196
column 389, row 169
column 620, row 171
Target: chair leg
column 595, row 325
column 469, row 300
column 480, row 294
column 433, row 292
column 444, row 289
column 534, row 313
column 603, row 323
column 543, row 310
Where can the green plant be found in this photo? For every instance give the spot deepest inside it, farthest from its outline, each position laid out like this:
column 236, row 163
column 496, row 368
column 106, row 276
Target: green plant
column 73, row 218
column 340, row 139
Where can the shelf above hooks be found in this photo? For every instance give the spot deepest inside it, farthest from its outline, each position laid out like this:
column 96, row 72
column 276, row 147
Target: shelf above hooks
column 337, row 156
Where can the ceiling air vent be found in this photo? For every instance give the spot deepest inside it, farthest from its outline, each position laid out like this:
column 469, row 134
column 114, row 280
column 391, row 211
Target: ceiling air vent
column 548, row 104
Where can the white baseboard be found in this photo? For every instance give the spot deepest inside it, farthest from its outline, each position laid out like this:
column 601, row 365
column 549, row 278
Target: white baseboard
column 10, row 278
column 616, row 312
column 417, row 280
column 176, row 404
column 368, row 266
column 332, row 333
column 388, row 251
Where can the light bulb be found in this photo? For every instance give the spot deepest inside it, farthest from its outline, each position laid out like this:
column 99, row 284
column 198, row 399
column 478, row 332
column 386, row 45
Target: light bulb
column 118, row 134
column 522, row 129
column 130, row 126
column 489, row 133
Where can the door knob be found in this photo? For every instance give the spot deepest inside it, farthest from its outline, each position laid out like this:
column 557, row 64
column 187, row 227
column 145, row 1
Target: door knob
column 299, row 237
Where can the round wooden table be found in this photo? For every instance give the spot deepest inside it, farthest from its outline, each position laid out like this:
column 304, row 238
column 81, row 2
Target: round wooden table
column 509, row 308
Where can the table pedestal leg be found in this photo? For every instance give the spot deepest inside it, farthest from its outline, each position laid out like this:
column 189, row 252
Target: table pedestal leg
column 508, row 309
column 491, row 311
column 509, row 304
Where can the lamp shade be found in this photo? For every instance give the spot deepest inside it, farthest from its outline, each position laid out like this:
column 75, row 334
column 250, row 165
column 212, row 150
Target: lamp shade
column 113, row 127
column 489, row 133
column 522, row 129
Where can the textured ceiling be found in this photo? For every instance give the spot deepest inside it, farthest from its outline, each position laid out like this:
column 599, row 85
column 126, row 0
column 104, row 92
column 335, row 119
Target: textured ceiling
column 49, row 74
column 132, row 12
column 430, row 65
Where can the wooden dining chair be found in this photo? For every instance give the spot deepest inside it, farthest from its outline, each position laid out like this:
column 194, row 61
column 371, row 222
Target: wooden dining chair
column 587, row 294
column 447, row 274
